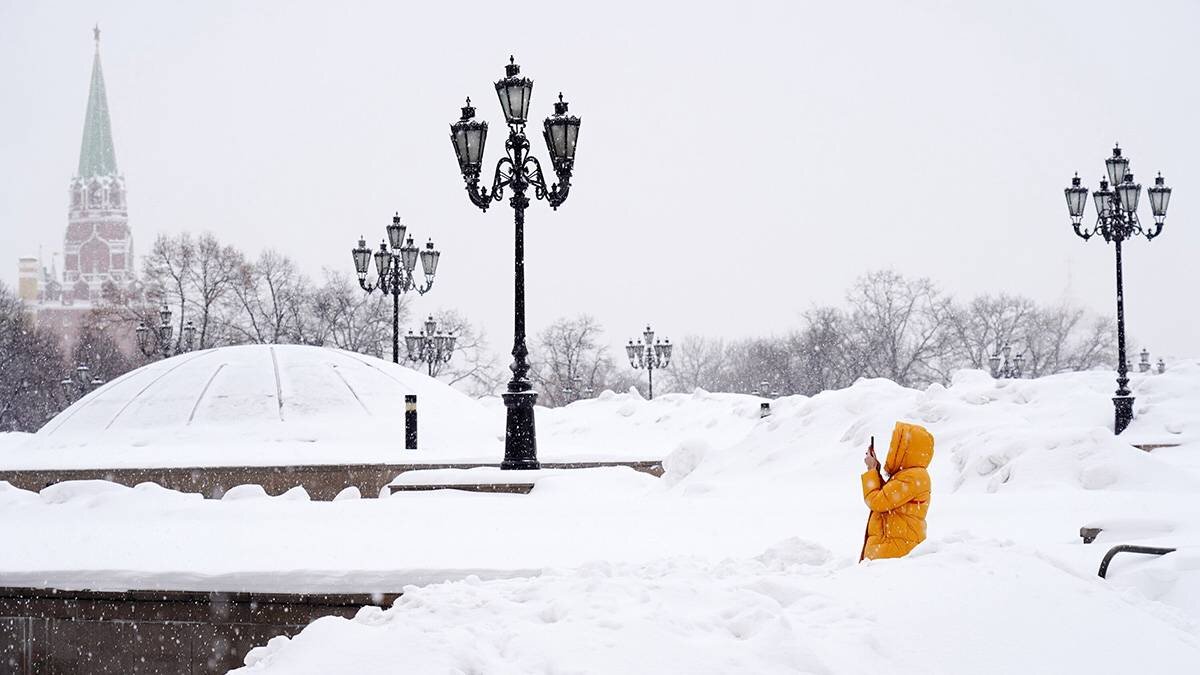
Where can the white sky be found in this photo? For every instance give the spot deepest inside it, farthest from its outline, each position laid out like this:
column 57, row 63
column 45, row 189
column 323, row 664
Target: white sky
column 738, row 162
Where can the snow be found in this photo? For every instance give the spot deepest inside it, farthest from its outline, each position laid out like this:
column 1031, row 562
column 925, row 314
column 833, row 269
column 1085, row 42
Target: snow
column 741, row 558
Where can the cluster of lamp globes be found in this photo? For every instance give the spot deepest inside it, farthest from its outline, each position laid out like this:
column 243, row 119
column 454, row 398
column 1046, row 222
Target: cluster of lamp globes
column 1005, row 365
column 560, row 130
column 653, row 354
column 1117, row 201
column 1144, row 365
column 80, row 383
column 165, row 331
column 395, row 267
column 431, row 345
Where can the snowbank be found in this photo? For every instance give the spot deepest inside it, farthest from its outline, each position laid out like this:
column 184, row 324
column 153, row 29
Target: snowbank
column 702, row 570
column 965, row 606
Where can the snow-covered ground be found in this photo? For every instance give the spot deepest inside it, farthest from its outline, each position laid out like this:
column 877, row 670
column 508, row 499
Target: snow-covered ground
column 742, row 558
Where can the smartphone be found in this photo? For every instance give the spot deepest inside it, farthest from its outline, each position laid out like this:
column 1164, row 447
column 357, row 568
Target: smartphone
column 872, row 445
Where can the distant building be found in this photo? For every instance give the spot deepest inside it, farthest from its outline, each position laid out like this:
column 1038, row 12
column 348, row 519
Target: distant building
column 98, row 244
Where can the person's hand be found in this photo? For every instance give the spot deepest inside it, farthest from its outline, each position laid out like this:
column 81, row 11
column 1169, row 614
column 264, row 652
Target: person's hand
column 871, row 460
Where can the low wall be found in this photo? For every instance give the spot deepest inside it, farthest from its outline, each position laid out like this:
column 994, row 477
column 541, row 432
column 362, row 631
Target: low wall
column 321, row 481
column 56, row 632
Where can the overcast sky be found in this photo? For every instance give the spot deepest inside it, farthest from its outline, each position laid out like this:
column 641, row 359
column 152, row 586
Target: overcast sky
column 738, row 162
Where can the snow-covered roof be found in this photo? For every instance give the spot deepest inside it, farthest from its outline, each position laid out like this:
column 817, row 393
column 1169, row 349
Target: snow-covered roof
column 268, row 404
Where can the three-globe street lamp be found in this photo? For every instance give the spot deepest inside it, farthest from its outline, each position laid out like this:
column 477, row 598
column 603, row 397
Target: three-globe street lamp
column 1144, row 363
column 1117, row 220
column 519, row 171
column 652, row 355
column 430, row 346
column 161, row 342
column 1005, row 365
column 395, row 270
column 79, row 383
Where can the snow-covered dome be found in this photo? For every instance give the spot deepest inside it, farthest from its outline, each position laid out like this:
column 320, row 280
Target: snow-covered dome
column 268, row 404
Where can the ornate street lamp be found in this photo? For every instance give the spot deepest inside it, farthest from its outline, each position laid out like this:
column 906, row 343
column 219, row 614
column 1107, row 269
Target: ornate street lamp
column 519, row 171
column 650, row 355
column 395, row 270
column 1116, row 221
column 160, row 342
column 765, row 390
column 573, row 390
column 430, row 346
column 79, row 383
column 1005, row 365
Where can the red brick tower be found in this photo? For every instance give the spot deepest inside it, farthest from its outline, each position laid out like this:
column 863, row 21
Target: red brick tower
column 98, row 246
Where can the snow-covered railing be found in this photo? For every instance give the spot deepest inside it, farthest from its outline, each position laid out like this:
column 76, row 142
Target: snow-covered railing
column 1130, row 548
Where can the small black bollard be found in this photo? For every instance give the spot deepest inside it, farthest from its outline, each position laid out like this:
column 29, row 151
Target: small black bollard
column 764, row 409
column 410, row 421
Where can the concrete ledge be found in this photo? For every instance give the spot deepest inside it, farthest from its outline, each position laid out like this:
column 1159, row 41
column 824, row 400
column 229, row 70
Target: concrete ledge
column 321, row 481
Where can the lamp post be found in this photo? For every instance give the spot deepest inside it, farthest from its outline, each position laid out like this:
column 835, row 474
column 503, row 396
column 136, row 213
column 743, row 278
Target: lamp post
column 1117, row 221
column 395, row 270
column 430, row 346
column 519, row 171
column 765, row 390
column 1005, row 365
column 161, row 342
column 79, row 383
column 574, row 390
column 650, row 355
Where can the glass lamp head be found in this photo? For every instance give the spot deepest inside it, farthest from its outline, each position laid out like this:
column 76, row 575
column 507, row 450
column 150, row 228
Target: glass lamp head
column 395, row 232
column 514, row 93
column 468, row 137
column 1117, row 166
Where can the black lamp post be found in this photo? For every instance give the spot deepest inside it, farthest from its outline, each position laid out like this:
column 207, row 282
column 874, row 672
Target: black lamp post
column 395, row 270
column 1116, row 221
column 651, row 355
column 1005, row 365
column 161, row 342
column 79, row 383
column 519, row 171
column 430, row 346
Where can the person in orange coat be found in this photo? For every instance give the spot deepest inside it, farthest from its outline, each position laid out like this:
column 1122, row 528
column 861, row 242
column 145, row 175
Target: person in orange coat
column 899, row 504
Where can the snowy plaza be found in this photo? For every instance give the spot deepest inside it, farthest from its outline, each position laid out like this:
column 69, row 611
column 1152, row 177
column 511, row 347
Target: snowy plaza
column 855, row 338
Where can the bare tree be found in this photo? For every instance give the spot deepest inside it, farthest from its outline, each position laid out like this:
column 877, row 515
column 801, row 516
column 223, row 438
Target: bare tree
column 167, row 271
column 348, row 318
column 271, row 302
column 570, row 356
column 696, row 361
column 473, row 368
column 823, row 352
column 1064, row 338
column 214, row 270
column 899, row 327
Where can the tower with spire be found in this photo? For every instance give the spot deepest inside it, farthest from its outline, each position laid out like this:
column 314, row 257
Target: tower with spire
column 98, row 246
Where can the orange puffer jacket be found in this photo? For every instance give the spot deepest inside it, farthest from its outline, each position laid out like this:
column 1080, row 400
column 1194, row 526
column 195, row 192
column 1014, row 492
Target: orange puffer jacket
column 898, row 506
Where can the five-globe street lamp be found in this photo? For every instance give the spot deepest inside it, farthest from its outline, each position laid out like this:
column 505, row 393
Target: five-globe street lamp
column 519, row 171
column 1116, row 221
column 431, row 346
column 651, row 355
column 395, row 270
column 163, row 333
column 79, row 383
column 1006, row 366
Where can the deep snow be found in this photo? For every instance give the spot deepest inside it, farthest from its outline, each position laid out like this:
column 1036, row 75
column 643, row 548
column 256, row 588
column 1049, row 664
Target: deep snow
column 741, row 558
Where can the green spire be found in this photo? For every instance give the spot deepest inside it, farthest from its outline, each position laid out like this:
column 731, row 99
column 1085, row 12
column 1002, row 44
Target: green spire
column 97, row 156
